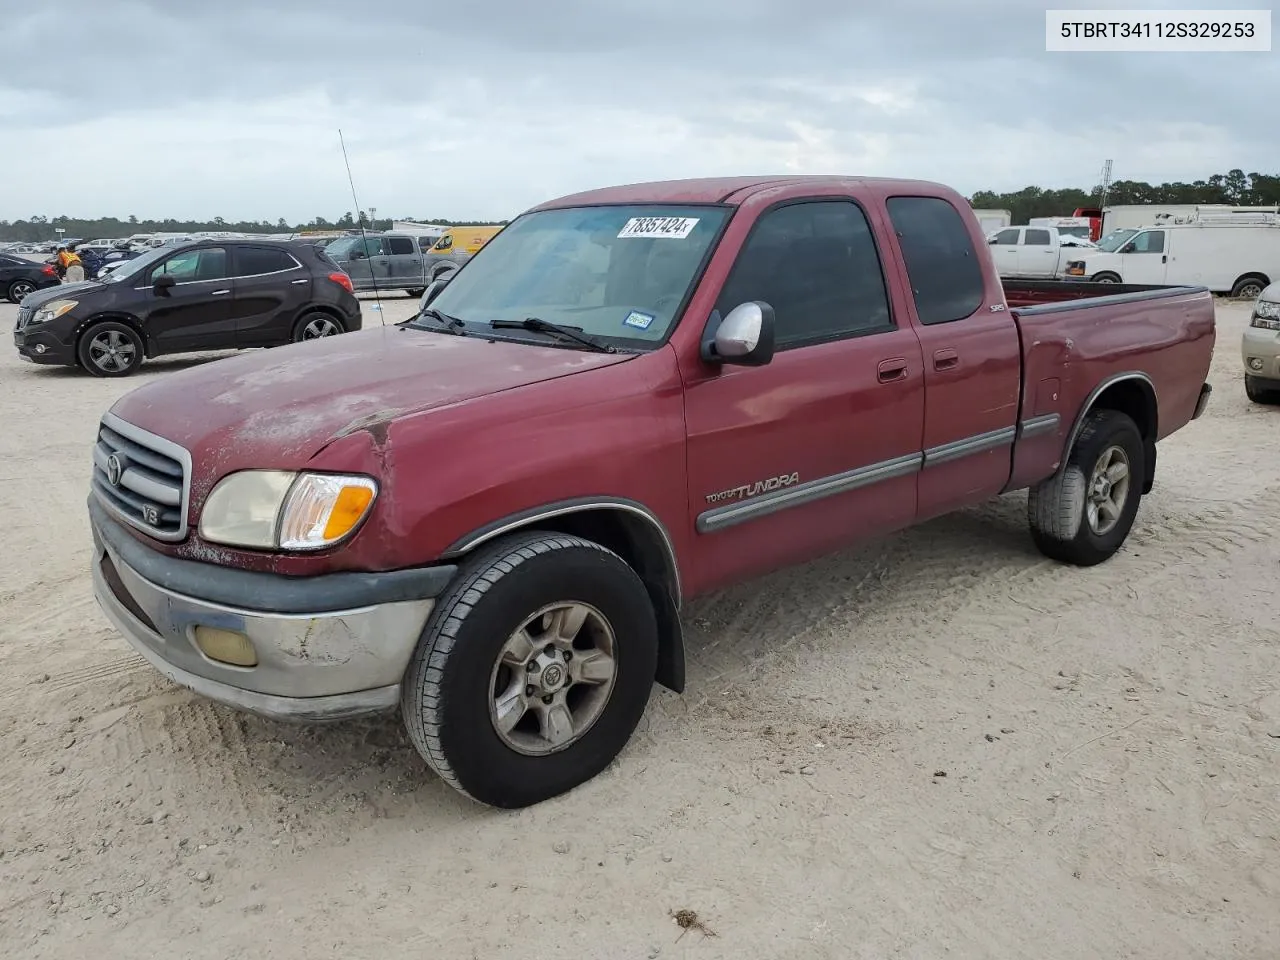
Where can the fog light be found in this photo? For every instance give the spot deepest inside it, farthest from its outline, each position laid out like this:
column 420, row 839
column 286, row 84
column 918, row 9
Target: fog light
column 226, row 646
column 40, row 348
column 1255, row 363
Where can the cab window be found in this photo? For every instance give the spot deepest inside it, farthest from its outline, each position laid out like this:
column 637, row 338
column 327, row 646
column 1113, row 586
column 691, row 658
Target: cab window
column 1149, row 241
column 444, row 243
column 194, row 266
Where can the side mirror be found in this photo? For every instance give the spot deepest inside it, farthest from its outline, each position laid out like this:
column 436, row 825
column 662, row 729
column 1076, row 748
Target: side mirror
column 745, row 337
column 433, row 290
column 357, row 254
column 1127, row 248
column 993, row 241
column 163, row 284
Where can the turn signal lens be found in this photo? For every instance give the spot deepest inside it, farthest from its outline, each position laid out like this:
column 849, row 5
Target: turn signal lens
column 321, row 509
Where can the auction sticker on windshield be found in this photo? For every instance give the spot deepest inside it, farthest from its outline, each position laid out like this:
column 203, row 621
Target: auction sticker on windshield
column 637, row 319
column 670, row 228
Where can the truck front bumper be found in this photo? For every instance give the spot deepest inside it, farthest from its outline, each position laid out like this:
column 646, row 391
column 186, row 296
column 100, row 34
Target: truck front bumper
column 326, row 647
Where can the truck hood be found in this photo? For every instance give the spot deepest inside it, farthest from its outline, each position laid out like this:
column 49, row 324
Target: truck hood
column 279, row 407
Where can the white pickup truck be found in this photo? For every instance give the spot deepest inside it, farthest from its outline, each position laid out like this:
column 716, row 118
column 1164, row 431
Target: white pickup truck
column 1034, row 252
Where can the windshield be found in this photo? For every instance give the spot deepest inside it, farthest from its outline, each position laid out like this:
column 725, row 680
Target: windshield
column 342, row 248
column 1114, row 240
column 137, row 265
column 614, row 272
column 1082, row 232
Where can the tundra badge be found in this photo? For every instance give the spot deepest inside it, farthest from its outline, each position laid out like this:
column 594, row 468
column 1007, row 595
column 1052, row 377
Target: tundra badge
column 754, row 489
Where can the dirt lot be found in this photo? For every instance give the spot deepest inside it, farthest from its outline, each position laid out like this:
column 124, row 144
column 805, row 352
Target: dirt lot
column 1109, row 740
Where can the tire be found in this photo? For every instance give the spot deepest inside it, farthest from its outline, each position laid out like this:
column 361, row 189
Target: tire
column 451, row 690
column 1063, row 525
column 19, row 289
column 1105, row 278
column 316, row 324
column 1249, row 288
column 110, row 348
column 1255, row 391
column 416, row 292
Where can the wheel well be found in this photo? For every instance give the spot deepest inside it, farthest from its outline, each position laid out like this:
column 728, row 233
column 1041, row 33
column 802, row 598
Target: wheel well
column 643, row 545
column 1136, row 398
column 148, row 348
column 1265, row 280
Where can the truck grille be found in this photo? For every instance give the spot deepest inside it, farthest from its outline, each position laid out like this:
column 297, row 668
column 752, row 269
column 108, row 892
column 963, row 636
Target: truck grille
column 142, row 479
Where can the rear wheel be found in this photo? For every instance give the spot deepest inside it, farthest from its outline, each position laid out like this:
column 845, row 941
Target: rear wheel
column 1082, row 514
column 1249, row 288
column 110, row 349
column 416, row 292
column 19, row 289
column 314, row 325
column 533, row 671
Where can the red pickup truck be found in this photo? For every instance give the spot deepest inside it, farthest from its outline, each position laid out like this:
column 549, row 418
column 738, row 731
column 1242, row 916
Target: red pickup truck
column 490, row 515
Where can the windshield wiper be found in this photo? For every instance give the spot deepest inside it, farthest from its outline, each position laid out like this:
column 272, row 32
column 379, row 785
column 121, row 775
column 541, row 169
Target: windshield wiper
column 573, row 334
column 451, row 324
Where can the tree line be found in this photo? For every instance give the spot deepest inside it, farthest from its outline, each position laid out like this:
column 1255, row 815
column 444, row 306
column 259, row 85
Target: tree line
column 36, row 228
column 1234, row 187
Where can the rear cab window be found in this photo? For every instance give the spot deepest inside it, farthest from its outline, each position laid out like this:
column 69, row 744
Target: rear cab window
column 942, row 265
column 398, row 246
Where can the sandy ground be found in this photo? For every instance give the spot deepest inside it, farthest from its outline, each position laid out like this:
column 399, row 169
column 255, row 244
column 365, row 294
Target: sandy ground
column 1109, row 739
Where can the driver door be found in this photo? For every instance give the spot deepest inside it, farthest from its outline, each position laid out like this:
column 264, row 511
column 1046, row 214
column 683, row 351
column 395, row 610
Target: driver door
column 195, row 313
column 1145, row 259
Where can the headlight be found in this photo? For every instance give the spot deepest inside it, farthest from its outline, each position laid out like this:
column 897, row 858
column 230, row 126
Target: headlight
column 1266, row 314
column 51, row 311
column 279, row 510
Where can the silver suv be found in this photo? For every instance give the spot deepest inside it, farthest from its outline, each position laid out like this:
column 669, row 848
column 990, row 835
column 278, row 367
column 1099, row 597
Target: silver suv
column 1260, row 348
column 391, row 260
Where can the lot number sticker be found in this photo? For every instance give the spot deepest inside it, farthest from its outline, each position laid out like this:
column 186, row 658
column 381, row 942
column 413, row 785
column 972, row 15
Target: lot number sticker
column 669, row 228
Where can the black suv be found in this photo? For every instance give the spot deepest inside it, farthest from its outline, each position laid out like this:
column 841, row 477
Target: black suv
column 204, row 295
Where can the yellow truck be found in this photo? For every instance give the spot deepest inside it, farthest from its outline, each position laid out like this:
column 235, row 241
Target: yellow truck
column 455, row 247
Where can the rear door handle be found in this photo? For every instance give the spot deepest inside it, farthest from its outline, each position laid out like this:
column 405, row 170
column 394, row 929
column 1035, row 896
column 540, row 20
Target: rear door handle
column 220, row 293
column 296, row 282
column 890, row 370
column 945, row 359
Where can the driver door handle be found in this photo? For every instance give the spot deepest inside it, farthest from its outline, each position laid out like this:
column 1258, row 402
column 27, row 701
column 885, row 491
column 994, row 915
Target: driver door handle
column 220, row 293
column 890, row 371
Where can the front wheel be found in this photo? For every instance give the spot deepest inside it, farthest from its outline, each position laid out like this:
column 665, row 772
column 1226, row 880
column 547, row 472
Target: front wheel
column 1083, row 513
column 1106, row 278
column 416, row 292
column 110, row 349
column 1258, row 393
column 533, row 670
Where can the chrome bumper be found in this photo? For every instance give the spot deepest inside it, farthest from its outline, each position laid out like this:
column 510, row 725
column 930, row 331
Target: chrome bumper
column 326, row 665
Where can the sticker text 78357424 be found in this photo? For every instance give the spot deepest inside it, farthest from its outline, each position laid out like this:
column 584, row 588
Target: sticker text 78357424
column 671, row 228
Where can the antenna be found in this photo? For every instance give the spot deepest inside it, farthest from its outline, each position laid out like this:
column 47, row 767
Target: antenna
column 377, row 295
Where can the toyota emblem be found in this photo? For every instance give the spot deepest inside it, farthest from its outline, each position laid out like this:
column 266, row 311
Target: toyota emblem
column 114, row 469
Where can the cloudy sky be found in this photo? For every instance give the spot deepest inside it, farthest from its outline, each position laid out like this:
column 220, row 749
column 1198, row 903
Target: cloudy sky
column 458, row 109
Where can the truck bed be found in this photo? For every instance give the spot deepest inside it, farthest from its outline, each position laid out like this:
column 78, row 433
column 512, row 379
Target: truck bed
column 1022, row 294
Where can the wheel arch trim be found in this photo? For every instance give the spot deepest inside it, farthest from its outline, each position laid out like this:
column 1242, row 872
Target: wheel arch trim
column 529, row 517
column 1092, row 399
